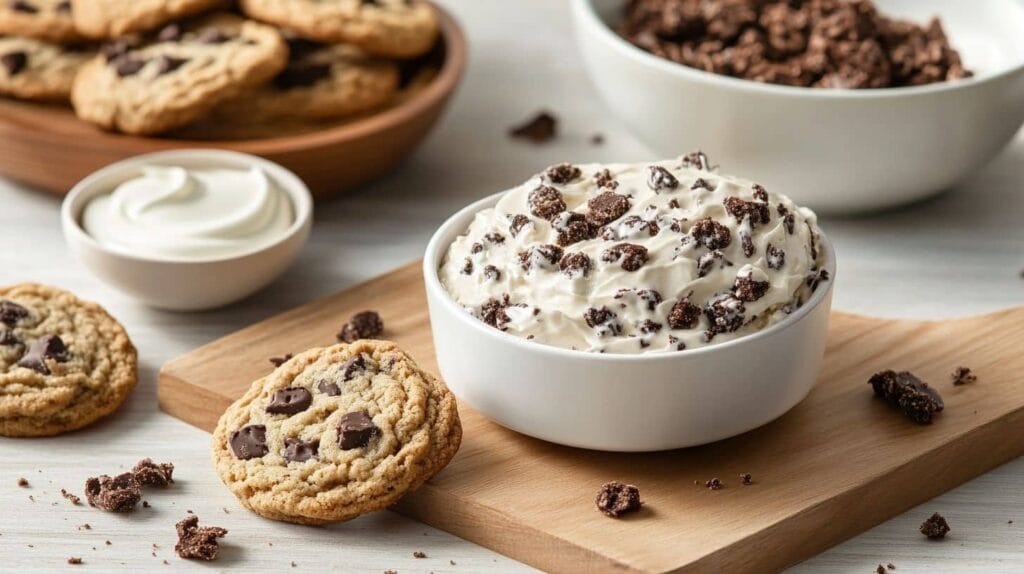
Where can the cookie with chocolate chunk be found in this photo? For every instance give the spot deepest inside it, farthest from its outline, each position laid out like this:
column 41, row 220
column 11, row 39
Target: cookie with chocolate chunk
column 64, row 362
column 113, row 18
column 48, row 20
column 389, row 28
column 148, row 85
column 38, row 70
column 335, row 433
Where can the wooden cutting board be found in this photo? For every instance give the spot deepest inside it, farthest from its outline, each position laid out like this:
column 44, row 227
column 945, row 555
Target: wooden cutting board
column 837, row 464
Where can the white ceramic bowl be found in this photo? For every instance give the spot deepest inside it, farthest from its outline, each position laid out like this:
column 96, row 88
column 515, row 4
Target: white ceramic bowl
column 187, row 285
column 623, row 402
column 837, row 151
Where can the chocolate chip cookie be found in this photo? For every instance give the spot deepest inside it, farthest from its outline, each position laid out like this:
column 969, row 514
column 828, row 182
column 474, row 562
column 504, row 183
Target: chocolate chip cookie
column 48, row 20
column 38, row 70
column 113, row 18
column 177, row 74
column 336, row 432
column 390, row 28
column 321, row 81
column 64, row 362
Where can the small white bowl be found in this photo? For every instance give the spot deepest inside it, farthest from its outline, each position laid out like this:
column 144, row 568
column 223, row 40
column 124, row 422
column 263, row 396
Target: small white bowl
column 187, row 285
column 623, row 403
column 836, row 151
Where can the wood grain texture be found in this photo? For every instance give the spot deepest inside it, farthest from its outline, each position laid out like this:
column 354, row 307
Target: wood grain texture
column 837, row 464
column 36, row 138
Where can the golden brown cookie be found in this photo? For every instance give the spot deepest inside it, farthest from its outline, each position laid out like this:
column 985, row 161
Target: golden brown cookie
column 38, row 70
column 336, row 432
column 113, row 18
column 48, row 20
column 64, row 362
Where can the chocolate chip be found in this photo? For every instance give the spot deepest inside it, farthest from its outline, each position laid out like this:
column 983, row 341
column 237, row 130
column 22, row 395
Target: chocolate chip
column 22, row 6
column 631, row 256
column 363, row 325
column 602, row 320
column 650, row 297
column 776, row 257
column 328, row 388
column 517, row 223
column 197, row 542
column 212, row 36
column 606, row 208
column 355, row 430
column 540, row 257
column 46, row 347
column 706, row 262
column 491, row 273
column 572, row 228
column 353, row 367
column 562, row 173
column 606, row 180
column 9, row 339
column 661, row 179
column 301, row 75
column 296, row 450
column 575, row 265
column 541, row 128
column 127, row 66
column 249, row 442
column 684, row 315
column 905, row 391
column 149, row 473
column 167, row 64
column 725, row 314
column 290, row 401
column 118, row 494
column 696, row 160
column 114, row 49
column 11, row 313
column 935, row 527
column 755, row 211
column 711, row 234
column 963, row 376
column 170, row 33
column 546, row 202
column 13, row 62
column 615, row 499
column 748, row 289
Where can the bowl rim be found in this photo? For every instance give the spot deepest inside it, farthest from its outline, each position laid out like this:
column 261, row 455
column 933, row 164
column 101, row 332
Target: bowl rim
column 291, row 185
column 586, row 14
column 460, row 221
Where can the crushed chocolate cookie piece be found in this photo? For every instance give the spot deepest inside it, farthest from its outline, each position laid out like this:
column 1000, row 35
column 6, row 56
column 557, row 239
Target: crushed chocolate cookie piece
column 542, row 128
column 572, row 228
column 696, row 160
column 278, row 361
column 22, row 482
column 890, row 566
column 701, row 183
column 149, row 473
column 355, row 430
column 635, row 225
column 419, row 554
column 650, row 296
column 706, row 262
column 661, row 179
column 517, row 223
column 467, row 267
column 714, row 484
column 545, row 257
column 615, row 499
column 492, row 273
column 575, row 265
column 755, row 212
column 494, row 238
column 606, row 208
column 776, row 258
column 362, row 325
column 249, row 441
column 915, row 398
column 963, row 376
column 749, row 286
column 145, row 504
column 289, row 401
column 603, row 320
column 46, row 347
column 760, row 193
column 494, row 312
column 562, row 173
column 711, row 234
column 476, row 248
column 630, row 256
column 606, row 180
column 746, row 479
column 75, row 500
column 684, row 315
column 198, row 542
column 725, row 313
column 546, row 202
column 747, row 244
column 118, row 494
column 935, row 527
column 75, row 560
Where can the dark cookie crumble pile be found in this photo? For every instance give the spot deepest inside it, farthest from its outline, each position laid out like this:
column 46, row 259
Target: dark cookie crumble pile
column 197, row 542
column 935, row 527
column 915, row 398
column 844, row 44
column 616, row 499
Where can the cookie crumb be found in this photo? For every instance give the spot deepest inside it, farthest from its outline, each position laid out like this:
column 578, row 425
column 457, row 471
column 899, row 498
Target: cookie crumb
column 118, row 494
column 746, row 479
column 714, row 484
column 363, row 325
column 149, row 473
column 85, row 526
column 935, row 527
column 391, row 572
column 197, row 542
column 23, row 482
column 145, row 504
column 71, row 497
column 908, row 393
column 419, row 554
column 616, row 498
column 278, row 361
column 963, row 376
column 890, row 566
column 880, row 569
column 294, row 564
column 108, row 543
column 452, row 562
column 539, row 129
column 74, row 560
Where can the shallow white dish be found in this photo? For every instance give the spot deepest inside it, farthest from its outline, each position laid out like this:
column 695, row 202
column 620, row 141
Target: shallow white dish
column 623, row 402
column 836, row 151
column 187, row 285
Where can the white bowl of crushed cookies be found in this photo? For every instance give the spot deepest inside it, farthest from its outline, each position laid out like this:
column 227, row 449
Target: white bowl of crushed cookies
column 631, row 307
column 846, row 106
column 188, row 230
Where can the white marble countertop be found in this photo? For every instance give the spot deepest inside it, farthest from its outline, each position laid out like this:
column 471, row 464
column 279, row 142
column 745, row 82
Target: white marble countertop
column 958, row 254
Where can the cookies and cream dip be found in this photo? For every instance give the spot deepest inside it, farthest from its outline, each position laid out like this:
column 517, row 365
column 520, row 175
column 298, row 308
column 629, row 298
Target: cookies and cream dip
column 194, row 214
column 635, row 258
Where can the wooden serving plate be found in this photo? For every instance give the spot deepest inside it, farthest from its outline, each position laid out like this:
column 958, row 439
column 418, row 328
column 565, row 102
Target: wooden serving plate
column 836, row 465
column 48, row 147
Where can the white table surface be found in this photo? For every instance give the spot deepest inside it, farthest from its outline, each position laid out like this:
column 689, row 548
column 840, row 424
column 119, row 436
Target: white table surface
column 958, row 254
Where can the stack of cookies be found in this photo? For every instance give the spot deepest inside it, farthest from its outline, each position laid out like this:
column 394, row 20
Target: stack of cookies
column 152, row 66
